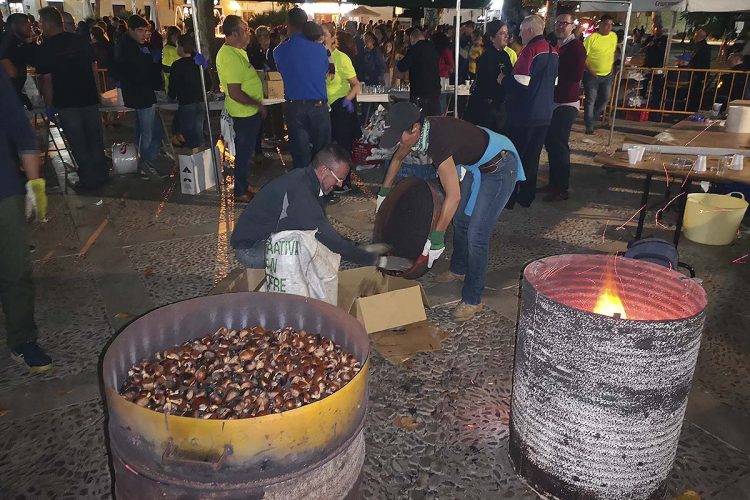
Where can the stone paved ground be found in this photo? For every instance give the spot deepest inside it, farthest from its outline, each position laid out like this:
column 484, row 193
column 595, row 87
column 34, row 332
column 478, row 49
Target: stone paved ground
column 156, row 246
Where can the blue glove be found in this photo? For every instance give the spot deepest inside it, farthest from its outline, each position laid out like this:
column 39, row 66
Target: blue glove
column 51, row 113
column 348, row 105
column 200, row 60
column 266, row 67
column 144, row 50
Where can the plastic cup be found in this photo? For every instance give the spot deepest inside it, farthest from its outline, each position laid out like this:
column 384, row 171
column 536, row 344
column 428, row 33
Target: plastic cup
column 737, row 162
column 700, row 164
column 641, row 150
column 633, row 154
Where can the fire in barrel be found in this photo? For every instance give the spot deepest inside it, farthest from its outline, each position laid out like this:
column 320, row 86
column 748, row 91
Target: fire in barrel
column 605, row 353
column 238, row 396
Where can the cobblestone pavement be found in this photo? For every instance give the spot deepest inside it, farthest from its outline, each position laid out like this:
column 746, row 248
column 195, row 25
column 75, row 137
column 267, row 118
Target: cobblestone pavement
column 156, row 246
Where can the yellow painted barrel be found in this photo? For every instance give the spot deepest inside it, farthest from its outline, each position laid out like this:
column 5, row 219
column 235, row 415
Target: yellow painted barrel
column 314, row 451
column 713, row 219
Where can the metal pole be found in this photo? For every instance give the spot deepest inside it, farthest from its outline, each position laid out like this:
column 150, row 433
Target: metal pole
column 669, row 38
column 196, row 29
column 457, row 34
column 619, row 77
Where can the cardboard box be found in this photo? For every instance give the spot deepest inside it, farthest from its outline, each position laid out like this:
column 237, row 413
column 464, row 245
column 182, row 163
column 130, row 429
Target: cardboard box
column 380, row 302
column 196, row 172
column 274, row 85
column 263, row 81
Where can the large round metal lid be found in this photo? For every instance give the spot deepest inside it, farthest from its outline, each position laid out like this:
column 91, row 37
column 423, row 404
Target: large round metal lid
column 405, row 220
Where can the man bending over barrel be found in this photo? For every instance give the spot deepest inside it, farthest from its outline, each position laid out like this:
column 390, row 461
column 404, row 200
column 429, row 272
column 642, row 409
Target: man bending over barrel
column 492, row 169
column 294, row 201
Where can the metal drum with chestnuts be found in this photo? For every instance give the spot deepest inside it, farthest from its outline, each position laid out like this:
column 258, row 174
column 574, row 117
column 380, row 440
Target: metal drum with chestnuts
column 313, row 451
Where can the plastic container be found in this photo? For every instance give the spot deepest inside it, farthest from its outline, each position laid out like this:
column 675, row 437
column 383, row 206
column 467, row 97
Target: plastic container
column 713, row 219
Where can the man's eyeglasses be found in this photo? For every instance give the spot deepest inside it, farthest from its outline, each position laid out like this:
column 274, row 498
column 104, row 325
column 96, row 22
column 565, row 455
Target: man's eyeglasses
column 562, row 23
column 340, row 182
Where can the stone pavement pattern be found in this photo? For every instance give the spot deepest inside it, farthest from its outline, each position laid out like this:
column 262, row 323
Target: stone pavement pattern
column 157, row 247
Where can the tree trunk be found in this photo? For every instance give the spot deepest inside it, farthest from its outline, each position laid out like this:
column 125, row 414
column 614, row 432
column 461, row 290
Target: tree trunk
column 206, row 25
column 513, row 13
column 549, row 22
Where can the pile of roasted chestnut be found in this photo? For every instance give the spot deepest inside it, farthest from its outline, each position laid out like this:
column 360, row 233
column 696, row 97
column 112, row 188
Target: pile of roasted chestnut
column 240, row 374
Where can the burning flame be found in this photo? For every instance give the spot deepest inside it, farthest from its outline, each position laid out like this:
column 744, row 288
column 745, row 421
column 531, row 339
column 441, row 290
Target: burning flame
column 609, row 303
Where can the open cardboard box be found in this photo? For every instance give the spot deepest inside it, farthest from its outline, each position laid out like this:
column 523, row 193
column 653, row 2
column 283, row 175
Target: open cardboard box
column 378, row 301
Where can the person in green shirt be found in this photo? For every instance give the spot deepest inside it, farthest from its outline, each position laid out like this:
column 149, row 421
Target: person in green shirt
column 343, row 88
column 243, row 100
column 597, row 80
column 168, row 57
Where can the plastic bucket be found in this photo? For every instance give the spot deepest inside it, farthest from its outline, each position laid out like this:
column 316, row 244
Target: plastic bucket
column 713, row 219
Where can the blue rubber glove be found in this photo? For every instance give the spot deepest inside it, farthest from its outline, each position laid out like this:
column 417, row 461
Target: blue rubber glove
column 144, row 50
column 200, row 60
column 51, row 113
column 348, row 105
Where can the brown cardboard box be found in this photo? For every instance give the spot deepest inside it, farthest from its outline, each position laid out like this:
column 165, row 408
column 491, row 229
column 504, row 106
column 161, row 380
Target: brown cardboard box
column 275, row 85
column 380, row 302
column 264, row 80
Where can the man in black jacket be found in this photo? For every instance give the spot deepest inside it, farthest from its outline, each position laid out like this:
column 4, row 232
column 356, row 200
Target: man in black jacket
column 139, row 75
column 66, row 65
column 295, row 202
column 701, row 59
column 421, row 61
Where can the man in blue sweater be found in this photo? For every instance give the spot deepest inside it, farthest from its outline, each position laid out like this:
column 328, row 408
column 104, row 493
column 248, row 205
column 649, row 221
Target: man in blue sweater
column 303, row 65
column 529, row 103
column 20, row 196
column 295, row 202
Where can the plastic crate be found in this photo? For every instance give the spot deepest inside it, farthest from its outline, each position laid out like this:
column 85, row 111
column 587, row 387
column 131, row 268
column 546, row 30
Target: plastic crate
column 360, row 152
column 636, row 116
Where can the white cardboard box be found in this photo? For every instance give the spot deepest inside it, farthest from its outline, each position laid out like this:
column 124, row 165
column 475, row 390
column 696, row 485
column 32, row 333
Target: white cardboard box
column 196, row 172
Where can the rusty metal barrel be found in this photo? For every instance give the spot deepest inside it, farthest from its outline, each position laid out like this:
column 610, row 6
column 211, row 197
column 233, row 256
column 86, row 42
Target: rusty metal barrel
column 599, row 398
column 315, row 451
column 406, row 218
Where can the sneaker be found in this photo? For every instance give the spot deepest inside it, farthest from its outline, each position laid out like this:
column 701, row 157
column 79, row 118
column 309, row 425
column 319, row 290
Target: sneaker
column 32, row 356
column 465, row 312
column 448, row 277
column 589, row 130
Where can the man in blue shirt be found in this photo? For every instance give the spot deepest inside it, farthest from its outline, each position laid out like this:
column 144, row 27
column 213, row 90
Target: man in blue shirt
column 303, row 66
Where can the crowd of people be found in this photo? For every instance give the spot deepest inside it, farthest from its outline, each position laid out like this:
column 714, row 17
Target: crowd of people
column 525, row 96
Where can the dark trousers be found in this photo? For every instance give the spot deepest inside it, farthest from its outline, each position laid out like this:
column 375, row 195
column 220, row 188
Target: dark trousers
column 558, row 149
column 597, row 89
column 245, row 134
column 344, row 128
column 528, row 142
column 83, row 129
column 429, row 106
column 190, row 118
column 309, row 127
column 16, row 284
column 486, row 113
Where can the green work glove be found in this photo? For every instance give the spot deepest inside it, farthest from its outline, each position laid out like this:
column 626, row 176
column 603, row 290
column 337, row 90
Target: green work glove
column 437, row 240
column 381, row 196
column 36, row 199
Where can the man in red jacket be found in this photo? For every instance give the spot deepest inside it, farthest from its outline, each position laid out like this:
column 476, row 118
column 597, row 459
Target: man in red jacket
column 567, row 101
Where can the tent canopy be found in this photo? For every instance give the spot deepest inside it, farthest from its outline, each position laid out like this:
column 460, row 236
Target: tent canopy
column 416, row 4
column 676, row 5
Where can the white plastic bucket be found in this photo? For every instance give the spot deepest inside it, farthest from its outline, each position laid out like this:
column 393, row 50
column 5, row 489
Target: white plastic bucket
column 713, row 219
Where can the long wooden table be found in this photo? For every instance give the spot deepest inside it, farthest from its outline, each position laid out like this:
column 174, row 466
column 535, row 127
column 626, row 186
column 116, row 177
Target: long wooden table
column 684, row 133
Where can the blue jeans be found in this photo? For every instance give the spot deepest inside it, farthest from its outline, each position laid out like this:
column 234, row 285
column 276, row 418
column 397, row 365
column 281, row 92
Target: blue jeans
column 597, row 90
column 253, row 257
column 309, row 126
column 245, row 134
column 471, row 235
column 190, row 118
column 148, row 133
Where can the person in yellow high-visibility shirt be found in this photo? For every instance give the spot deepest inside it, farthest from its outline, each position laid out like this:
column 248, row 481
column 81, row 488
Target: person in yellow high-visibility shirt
column 597, row 80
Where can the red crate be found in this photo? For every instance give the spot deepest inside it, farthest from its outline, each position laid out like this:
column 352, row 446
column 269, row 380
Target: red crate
column 636, row 116
column 360, row 152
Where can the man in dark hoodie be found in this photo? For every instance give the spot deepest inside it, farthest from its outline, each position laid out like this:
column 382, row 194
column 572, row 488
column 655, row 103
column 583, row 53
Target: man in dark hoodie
column 139, row 74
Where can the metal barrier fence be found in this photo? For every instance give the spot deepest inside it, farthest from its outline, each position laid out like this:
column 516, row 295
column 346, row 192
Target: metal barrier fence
column 679, row 91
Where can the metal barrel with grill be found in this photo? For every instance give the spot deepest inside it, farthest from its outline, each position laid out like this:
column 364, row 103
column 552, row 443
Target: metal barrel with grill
column 605, row 353
column 314, row 451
